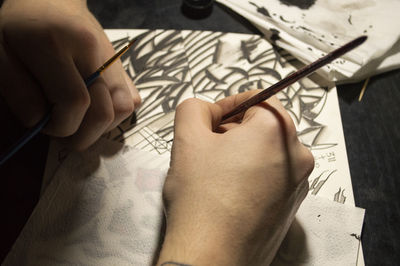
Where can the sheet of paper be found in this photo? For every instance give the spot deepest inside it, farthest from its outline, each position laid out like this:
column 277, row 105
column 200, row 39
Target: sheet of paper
column 310, row 29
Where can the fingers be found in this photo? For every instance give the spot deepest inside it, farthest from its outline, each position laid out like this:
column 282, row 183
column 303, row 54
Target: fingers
column 229, row 103
column 137, row 101
column 270, row 113
column 56, row 75
column 97, row 119
column 20, row 90
column 305, row 161
column 196, row 112
column 125, row 97
column 46, row 64
column 59, row 81
column 271, row 119
column 194, row 115
column 274, row 116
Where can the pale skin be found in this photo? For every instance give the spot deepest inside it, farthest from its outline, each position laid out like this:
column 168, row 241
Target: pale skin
column 232, row 189
column 231, row 196
column 47, row 49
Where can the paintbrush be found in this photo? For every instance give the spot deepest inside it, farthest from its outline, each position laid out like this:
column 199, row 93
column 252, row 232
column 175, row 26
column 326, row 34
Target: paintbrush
column 292, row 78
column 43, row 122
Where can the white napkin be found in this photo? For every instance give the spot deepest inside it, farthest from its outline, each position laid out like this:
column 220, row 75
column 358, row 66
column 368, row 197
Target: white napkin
column 324, row 233
column 311, row 29
column 106, row 209
column 97, row 210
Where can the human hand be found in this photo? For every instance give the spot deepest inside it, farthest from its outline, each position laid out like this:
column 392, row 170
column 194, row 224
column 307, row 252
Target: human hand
column 47, row 49
column 231, row 196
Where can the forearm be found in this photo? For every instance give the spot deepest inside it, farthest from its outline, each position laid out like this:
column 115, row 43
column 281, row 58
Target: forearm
column 38, row 1
column 21, row 4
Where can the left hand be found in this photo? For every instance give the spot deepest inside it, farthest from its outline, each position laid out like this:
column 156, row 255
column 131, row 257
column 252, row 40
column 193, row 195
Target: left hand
column 47, row 49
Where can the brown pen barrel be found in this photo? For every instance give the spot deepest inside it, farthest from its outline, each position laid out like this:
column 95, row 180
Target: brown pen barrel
column 306, row 70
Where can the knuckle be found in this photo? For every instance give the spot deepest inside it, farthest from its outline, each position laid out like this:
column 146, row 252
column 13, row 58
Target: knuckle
column 187, row 103
column 49, row 37
column 124, row 109
column 137, row 101
column 307, row 161
column 79, row 100
column 86, row 37
column 277, row 122
column 104, row 116
column 71, row 111
column 63, row 131
column 270, row 122
column 289, row 125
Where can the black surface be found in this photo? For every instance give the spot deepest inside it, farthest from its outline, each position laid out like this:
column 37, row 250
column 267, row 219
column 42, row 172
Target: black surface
column 371, row 129
column 372, row 134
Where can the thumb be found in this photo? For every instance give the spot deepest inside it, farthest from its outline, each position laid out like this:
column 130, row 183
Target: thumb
column 229, row 103
column 197, row 116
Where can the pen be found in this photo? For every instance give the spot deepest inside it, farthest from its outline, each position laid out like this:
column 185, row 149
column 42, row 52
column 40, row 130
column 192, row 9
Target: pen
column 306, row 70
column 43, row 122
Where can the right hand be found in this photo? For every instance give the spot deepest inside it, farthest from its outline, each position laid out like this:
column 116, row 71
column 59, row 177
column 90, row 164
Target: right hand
column 231, row 196
column 47, row 49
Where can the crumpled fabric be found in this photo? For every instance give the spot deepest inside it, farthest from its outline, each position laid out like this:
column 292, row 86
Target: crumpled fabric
column 309, row 29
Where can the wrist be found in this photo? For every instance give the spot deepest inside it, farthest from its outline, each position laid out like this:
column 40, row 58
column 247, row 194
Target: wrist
column 197, row 244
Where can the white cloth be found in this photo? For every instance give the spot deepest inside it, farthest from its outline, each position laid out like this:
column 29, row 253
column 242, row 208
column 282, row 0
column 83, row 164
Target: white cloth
column 106, row 209
column 311, row 29
column 98, row 209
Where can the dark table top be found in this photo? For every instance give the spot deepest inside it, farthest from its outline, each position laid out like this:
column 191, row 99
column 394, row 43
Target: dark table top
column 371, row 129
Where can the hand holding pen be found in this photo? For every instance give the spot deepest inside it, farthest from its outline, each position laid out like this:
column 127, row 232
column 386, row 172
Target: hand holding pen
column 45, row 54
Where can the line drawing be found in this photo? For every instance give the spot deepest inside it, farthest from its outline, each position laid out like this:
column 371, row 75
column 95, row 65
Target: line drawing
column 168, row 66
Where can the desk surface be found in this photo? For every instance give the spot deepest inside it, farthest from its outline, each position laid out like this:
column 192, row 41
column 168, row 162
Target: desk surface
column 371, row 128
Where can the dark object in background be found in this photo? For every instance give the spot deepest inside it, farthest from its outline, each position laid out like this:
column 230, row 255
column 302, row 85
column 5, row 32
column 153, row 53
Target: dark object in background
column 197, row 9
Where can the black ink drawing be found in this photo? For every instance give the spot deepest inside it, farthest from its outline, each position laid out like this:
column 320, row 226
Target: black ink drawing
column 161, row 73
column 339, row 196
column 170, row 66
column 317, row 183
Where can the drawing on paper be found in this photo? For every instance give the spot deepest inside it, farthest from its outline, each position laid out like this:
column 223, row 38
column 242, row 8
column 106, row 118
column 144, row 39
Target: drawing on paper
column 169, row 66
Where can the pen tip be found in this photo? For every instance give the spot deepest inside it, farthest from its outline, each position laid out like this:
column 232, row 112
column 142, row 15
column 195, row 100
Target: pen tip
column 364, row 38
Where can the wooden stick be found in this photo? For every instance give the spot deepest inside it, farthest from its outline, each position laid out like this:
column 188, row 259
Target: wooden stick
column 363, row 89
